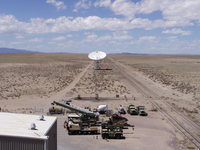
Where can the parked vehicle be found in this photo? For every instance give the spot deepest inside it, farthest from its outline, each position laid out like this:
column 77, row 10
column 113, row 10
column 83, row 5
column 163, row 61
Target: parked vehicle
column 86, row 122
column 55, row 110
column 141, row 111
column 132, row 110
column 109, row 131
column 121, row 110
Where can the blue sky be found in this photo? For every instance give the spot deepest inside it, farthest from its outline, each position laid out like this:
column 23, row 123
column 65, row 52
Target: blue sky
column 82, row 26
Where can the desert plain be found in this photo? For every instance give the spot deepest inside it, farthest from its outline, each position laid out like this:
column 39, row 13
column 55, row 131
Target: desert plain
column 167, row 85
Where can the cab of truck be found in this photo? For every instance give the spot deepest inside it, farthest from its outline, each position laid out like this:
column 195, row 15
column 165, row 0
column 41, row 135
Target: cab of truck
column 141, row 111
column 132, row 110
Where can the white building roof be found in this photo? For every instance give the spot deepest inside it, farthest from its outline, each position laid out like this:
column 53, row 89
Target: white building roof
column 19, row 125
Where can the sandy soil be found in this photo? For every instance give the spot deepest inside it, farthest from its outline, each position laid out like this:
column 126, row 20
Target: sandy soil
column 176, row 75
column 179, row 72
column 30, row 82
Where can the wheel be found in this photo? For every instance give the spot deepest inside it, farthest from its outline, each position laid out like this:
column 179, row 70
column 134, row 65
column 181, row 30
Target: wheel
column 104, row 136
column 118, row 136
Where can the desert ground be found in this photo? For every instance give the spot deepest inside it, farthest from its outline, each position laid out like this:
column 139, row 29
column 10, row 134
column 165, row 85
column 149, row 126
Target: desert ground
column 167, row 85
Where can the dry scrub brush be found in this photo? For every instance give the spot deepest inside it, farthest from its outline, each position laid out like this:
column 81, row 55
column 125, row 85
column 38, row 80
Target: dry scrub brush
column 36, row 79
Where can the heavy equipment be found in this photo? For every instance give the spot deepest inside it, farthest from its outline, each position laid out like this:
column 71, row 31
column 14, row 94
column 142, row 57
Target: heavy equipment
column 132, row 110
column 121, row 110
column 85, row 122
column 141, row 111
column 109, row 131
column 102, row 109
column 55, row 110
column 113, row 128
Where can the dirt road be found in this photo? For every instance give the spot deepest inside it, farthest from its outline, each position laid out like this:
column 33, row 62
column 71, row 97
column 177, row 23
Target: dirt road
column 66, row 92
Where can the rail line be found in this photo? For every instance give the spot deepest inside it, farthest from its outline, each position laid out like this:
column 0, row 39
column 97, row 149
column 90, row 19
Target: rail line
column 194, row 124
column 195, row 139
column 146, row 92
column 192, row 135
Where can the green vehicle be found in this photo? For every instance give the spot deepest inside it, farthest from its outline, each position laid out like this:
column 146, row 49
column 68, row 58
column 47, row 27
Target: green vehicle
column 141, row 111
column 109, row 131
column 113, row 128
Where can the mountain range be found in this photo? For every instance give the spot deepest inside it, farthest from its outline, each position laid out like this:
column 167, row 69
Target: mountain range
column 12, row 50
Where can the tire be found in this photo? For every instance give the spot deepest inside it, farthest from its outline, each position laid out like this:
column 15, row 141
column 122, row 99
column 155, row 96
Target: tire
column 105, row 136
column 118, row 136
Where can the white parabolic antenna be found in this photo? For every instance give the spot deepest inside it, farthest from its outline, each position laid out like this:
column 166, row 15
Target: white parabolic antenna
column 97, row 56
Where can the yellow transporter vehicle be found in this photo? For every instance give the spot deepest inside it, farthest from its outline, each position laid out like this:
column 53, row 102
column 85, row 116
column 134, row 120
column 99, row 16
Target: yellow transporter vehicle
column 75, row 126
column 84, row 122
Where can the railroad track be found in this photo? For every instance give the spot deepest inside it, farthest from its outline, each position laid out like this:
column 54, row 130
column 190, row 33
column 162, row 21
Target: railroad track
column 195, row 139
column 142, row 89
column 192, row 123
column 191, row 134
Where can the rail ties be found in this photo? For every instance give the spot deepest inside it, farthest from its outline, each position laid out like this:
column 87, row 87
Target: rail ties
column 191, row 122
column 186, row 132
column 146, row 92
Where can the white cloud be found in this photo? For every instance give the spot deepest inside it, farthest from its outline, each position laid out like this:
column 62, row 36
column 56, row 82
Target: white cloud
column 82, row 4
column 176, row 31
column 9, row 24
column 182, row 10
column 19, row 36
column 69, row 35
column 123, row 7
column 103, row 3
column 119, row 7
column 35, row 40
column 2, row 42
column 172, row 38
column 173, row 11
column 59, row 38
column 63, row 24
column 147, row 38
column 115, row 36
column 58, row 4
column 91, row 37
column 15, row 43
column 121, row 35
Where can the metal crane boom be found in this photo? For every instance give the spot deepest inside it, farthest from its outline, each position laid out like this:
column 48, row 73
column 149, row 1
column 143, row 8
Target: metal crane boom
column 76, row 109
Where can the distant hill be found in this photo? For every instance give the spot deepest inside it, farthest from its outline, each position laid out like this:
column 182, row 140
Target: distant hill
column 12, row 50
column 128, row 53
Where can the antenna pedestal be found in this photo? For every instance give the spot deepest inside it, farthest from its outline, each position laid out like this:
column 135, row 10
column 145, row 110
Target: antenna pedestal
column 97, row 65
column 97, row 57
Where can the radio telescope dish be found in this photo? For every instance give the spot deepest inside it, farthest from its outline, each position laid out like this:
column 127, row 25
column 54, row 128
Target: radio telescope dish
column 97, row 56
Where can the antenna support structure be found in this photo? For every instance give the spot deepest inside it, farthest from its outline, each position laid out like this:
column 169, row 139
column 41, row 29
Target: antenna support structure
column 97, row 56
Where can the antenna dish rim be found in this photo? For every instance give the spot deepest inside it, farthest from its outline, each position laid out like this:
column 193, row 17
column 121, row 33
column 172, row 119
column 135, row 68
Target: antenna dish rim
column 97, row 55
